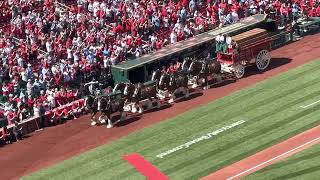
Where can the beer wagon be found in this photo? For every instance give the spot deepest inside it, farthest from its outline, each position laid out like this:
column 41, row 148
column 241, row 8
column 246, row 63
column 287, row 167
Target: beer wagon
column 252, row 48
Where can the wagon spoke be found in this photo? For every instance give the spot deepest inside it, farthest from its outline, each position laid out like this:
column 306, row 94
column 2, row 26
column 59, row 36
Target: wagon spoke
column 263, row 60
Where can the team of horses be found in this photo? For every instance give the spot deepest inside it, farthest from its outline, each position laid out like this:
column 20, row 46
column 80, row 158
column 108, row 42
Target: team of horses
column 135, row 98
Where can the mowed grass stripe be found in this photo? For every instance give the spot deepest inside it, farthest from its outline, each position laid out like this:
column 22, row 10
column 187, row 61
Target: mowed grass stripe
column 253, row 131
column 243, row 147
column 114, row 163
column 204, row 167
column 303, row 165
column 276, row 100
column 267, row 111
column 111, row 154
column 243, row 95
column 167, row 143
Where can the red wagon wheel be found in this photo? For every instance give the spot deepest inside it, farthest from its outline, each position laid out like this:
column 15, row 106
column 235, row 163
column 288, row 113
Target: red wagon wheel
column 263, row 60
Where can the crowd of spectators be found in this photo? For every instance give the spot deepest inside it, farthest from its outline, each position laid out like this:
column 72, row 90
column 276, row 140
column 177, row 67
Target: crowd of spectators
column 50, row 49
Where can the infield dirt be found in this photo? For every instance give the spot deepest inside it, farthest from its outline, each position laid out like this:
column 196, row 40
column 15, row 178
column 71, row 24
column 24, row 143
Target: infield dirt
column 55, row 144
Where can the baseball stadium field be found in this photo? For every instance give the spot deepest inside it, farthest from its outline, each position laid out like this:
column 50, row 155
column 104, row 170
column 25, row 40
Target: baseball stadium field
column 201, row 141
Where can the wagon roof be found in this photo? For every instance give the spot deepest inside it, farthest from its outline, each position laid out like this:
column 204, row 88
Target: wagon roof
column 197, row 40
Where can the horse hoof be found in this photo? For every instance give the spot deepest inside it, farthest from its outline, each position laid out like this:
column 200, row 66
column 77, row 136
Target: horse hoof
column 103, row 121
column 140, row 111
column 171, row 101
column 109, row 126
column 134, row 110
column 93, row 123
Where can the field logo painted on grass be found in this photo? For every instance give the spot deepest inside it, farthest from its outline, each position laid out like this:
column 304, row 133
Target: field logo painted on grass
column 304, row 107
column 204, row 137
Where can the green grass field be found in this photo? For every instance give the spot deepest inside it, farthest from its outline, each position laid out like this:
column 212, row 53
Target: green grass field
column 271, row 111
column 304, row 165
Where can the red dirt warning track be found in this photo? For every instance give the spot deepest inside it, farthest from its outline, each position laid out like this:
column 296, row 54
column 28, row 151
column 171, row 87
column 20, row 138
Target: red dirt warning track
column 55, row 144
column 268, row 156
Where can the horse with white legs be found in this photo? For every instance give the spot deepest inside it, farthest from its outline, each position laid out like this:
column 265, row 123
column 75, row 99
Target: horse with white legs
column 91, row 105
column 132, row 101
column 146, row 95
column 172, row 84
column 204, row 71
column 110, row 104
column 156, row 75
column 178, row 84
column 119, row 87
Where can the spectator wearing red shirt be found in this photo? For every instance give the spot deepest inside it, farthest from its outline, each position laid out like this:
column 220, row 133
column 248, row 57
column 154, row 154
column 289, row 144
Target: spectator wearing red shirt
column 30, row 103
column 71, row 96
column 312, row 12
column 75, row 110
column 57, row 116
column 67, row 112
column 159, row 43
column 5, row 135
column 43, row 96
column 318, row 11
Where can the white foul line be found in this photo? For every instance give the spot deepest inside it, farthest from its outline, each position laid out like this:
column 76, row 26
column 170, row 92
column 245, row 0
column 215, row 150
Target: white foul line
column 243, row 172
column 310, row 104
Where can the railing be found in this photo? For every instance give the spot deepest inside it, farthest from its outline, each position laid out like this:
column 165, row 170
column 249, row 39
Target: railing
column 31, row 125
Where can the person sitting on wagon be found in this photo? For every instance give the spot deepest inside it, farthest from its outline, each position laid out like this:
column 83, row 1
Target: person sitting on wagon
column 218, row 43
column 235, row 46
column 229, row 44
column 221, row 44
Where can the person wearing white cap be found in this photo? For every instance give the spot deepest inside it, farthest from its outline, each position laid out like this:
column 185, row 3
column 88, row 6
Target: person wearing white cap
column 218, row 42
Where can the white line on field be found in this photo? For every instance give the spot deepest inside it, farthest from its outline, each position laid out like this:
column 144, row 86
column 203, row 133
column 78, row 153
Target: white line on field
column 310, row 104
column 243, row 172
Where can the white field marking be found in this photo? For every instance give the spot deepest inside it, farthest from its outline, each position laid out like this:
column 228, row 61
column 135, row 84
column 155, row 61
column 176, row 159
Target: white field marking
column 310, row 104
column 204, row 137
column 243, row 172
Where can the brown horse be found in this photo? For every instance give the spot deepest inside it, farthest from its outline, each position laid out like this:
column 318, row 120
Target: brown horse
column 156, row 75
column 110, row 104
column 119, row 87
column 204, row 71
column 146, row 94
column 132, row 101
column 172, row 84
